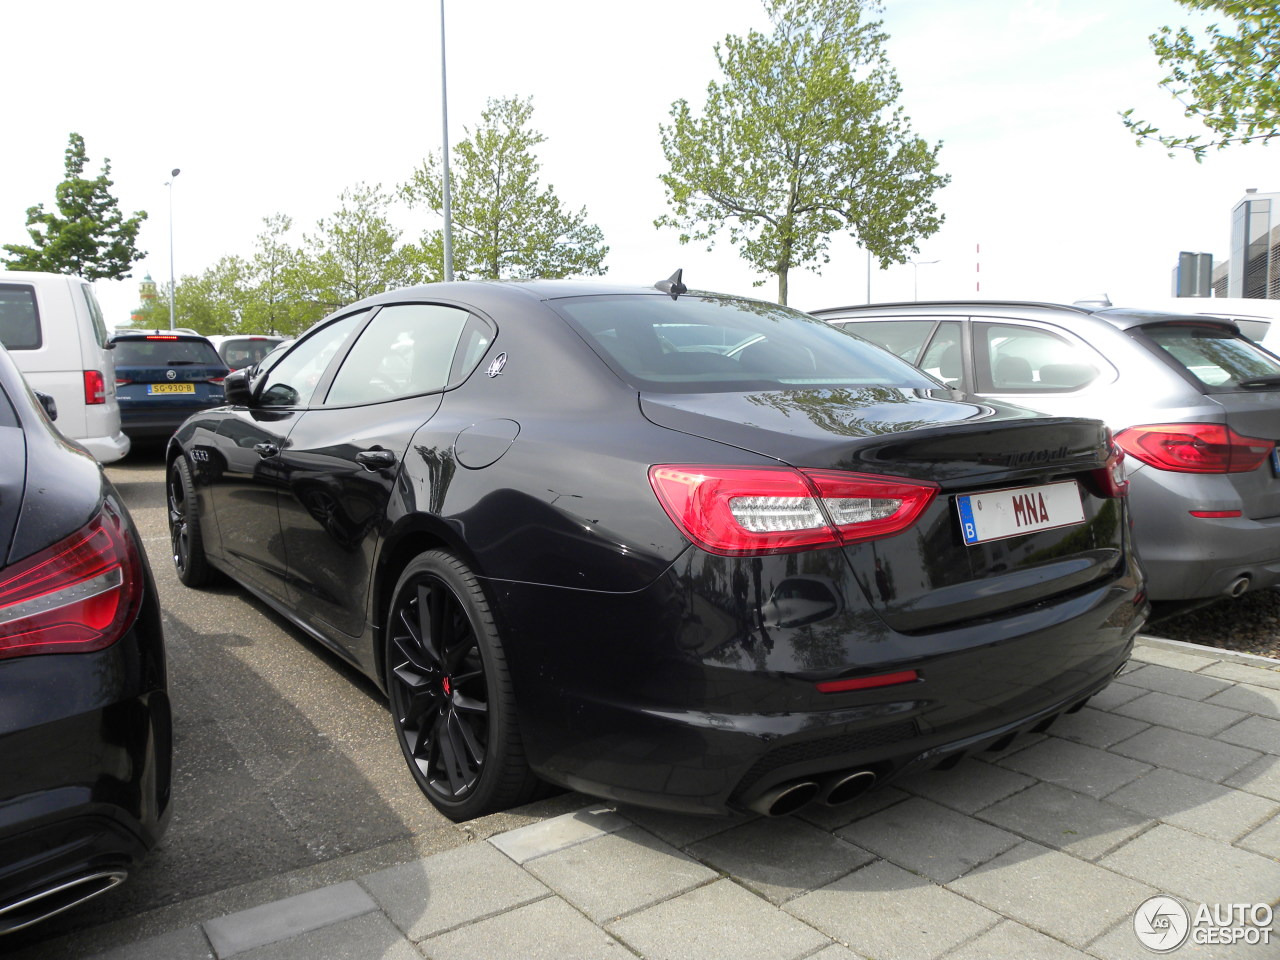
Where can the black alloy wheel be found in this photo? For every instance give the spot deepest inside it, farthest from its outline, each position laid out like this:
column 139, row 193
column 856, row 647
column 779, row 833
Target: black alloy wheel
column 451, row 697
column 184, row 527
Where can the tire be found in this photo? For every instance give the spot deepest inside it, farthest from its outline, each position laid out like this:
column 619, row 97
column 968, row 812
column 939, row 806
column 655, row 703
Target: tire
column 452, row 702
column 185, row 537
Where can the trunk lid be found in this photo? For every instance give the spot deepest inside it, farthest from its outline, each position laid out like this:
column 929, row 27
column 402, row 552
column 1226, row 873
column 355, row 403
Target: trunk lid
column 929, row 576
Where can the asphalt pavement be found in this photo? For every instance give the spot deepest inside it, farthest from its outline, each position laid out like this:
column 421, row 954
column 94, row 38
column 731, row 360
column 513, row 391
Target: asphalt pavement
column 1167, row 785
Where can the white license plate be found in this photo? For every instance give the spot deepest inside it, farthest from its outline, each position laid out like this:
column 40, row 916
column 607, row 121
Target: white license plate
column 1011, row 513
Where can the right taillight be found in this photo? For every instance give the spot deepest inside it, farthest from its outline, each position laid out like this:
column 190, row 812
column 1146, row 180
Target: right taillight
column 95, row 387
column 79, row 595
column 753, row 511
column 1194, row 447
column 1112, row 480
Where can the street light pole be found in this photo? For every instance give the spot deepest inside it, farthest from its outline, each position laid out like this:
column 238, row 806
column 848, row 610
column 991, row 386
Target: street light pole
column 915, row 276
column 444, row 153
column 173, row 175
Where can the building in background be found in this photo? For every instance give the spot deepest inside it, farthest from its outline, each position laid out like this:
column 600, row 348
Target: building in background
column 1193, row 276
column 1253, row 270
column 148, row 294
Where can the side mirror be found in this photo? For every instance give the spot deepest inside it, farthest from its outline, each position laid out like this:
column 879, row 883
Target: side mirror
column 50, row 405
column 235, row 388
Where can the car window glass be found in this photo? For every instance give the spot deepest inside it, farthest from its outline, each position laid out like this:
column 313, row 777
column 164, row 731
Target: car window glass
column 405, row 350
column 19, row 319
column 292, row 381
column 905, row 338
column 476, row 337
column 709, row 344
column 1215, row 356
column 1022, row 359
column 95, row 315
column 165, row 351
column 943, row 357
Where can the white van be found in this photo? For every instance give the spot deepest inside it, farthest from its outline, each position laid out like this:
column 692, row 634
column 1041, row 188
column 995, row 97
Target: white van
column 54, row 330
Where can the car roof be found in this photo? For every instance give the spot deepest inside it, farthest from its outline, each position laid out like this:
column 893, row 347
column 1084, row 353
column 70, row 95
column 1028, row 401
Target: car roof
column 181, row 333
column 487, row 294
column 1122, row 318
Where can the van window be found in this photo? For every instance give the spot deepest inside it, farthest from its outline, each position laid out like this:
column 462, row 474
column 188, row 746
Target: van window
column 19, row 318
column 95, row 315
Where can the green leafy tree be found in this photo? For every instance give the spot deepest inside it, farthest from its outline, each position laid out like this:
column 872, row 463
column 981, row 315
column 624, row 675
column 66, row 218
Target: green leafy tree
column 88, row 236
column 802, row 139
column 1230, row 83
column 278, row 301
column 357, row 253
column 505, row 224
column 215, row 301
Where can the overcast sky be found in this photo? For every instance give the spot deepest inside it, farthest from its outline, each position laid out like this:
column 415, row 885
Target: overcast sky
column 275, row 107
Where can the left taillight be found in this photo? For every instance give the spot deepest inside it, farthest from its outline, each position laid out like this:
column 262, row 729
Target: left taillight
column 77, row 596
column 753, row 511
column 95, row 387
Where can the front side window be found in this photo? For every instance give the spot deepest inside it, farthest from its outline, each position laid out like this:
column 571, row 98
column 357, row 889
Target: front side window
column 1018, row 359
column 406, row 350
column 293, row 380
column 701, row 343
column 19, row 318
column 1215, row 356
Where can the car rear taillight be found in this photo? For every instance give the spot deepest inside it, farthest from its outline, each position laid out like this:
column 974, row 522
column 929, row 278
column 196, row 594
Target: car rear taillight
column 1194, row 447
column 217, row 380
column 752, row 511
column 1112, row 480
column 95, row 387
column 79, row 595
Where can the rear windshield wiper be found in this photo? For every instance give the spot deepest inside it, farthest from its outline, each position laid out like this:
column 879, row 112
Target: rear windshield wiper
column 1271, row 381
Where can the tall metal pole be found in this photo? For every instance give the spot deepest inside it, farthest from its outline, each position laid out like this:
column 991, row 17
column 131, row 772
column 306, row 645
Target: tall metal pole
column 444, row 153
column 172, row 287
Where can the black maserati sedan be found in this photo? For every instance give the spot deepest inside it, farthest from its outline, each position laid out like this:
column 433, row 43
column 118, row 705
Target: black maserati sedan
column 673, row 548
column 85, row 730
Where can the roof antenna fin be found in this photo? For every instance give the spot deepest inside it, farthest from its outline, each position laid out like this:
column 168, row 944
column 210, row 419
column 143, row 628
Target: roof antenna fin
column 672, row 285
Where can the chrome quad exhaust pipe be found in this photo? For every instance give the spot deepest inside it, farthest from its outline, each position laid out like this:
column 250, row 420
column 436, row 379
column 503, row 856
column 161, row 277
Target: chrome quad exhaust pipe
column 53, row 899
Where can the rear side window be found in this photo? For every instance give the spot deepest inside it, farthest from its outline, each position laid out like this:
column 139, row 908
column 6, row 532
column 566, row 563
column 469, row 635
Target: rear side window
column 1018, row 359
column 406, row 350
column 1216, row 357
column 165, row 352
column 703, row 344
column 19, row 318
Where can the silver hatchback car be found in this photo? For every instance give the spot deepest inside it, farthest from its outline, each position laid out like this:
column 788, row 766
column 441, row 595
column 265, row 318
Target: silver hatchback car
column 1194, row 404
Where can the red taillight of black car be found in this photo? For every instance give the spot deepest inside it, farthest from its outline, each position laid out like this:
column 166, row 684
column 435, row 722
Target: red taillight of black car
column 1194, row 447
column 753, row 511
column 79, row 595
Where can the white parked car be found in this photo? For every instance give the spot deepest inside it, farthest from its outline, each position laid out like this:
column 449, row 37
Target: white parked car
column 54, row 330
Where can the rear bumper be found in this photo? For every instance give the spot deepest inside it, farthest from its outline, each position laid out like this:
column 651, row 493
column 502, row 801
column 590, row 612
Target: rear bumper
column 658, row 698
column 148, row 423
column 86, row 790
column 107, row 449
column 1195, row 558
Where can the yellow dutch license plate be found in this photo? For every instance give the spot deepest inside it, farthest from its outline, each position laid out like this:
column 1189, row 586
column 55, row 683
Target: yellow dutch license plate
column 171, row 388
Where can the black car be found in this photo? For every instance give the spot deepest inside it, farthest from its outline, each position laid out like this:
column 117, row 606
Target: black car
column 85, row 732
column 679, row 549
column 162, row 377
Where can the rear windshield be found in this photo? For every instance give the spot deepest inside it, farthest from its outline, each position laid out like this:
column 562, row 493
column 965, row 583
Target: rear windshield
column 1216, row 357
column 245, row 352
column 163, row 352
column 19, row 321
column 700, row 344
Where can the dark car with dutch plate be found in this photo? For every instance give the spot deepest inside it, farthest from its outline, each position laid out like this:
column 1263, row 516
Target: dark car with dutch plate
column 85, row 730
column 667, row 547
column 162, row 377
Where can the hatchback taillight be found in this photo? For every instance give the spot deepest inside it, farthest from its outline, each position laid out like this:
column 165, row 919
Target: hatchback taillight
column 79, row 595
column 752, row 511
column 1112, row 480
column 217, row 380
column 95, row 387
column 1194, row 447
